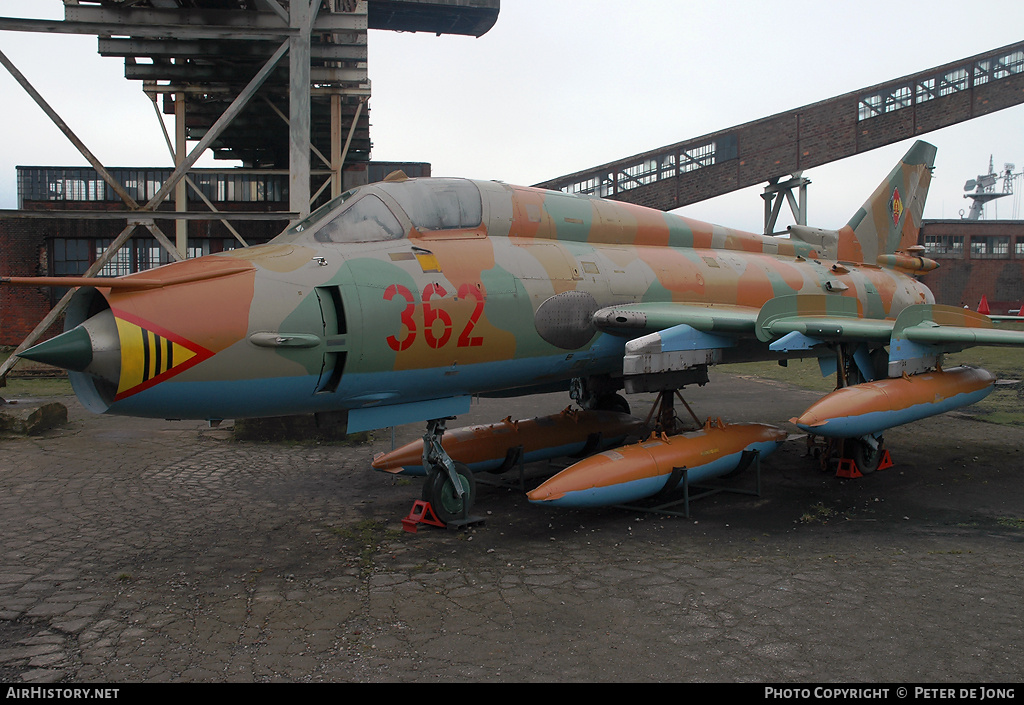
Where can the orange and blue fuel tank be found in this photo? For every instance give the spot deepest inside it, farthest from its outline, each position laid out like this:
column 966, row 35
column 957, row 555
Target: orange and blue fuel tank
column 491, row 447
column 871, row 407
column 656, row 465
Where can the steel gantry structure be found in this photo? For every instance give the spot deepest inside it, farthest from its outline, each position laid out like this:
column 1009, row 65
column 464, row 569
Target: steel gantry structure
column 220, row 67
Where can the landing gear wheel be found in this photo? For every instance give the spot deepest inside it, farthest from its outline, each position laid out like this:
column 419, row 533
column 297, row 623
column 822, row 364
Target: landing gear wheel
column 612, row 402
column 440, row 492
column 865, row 457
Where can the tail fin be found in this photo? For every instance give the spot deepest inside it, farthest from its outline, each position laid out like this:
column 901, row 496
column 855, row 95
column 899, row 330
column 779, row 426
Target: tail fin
column 889, row 221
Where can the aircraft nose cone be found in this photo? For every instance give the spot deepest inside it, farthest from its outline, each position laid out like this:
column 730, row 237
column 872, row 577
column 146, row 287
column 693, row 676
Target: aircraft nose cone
column 92, row 347
column 71, row 350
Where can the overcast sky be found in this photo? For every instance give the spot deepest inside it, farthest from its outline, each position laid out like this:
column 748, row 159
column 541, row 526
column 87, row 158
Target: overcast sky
column 562, row 85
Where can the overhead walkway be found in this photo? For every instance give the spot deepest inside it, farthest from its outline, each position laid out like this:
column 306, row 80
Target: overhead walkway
column 774, row 148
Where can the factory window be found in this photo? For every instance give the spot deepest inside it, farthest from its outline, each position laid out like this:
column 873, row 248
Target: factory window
column 118, row 265
column 982, row 71
column 84, row 184
column 594, row 186
column 899, row 98
column 944, row 245
column 645, row 172
column 1018, row 249
column 925, row 90
column 668, row 166
column 70, row 256
column 953, row 81
column 204, row 246
column 990, row 247
column 870, row 106
column 697, row 157
column 1009, row 64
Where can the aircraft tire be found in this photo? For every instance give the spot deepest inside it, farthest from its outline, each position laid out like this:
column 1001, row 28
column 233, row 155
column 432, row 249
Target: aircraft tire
column 865, row 457
column 439, row 491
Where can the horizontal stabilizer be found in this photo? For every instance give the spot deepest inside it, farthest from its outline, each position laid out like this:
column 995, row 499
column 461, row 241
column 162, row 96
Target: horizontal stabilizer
column 822, row 316
column 922, row 333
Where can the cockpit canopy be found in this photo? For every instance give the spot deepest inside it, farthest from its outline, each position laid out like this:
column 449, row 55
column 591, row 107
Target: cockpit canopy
column 386, row 210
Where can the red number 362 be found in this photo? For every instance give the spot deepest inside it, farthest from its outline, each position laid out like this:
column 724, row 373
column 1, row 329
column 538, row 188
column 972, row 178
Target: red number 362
column 435, row 336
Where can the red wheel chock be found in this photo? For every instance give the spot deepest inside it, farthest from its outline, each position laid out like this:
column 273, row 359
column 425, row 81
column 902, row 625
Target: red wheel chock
column 886, row 461
column 421, row 513
column 848, row 469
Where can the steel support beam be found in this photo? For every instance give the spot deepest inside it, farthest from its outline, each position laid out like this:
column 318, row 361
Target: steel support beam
column 181, row 190
column 300, row 18
column 351, row 133
column 90, row 157
column 336, row 158
column 58, row 309
column 151, row 215
column 68, row 132
column 118, row 28
column 223, row 121
column 775, row 193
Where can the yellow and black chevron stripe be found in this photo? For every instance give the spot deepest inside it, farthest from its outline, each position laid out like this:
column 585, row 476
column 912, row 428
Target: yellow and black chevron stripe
column 146, row 357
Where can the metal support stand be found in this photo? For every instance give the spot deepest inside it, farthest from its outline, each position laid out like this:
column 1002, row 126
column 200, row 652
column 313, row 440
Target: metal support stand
column 703, row 490
column 514, row 459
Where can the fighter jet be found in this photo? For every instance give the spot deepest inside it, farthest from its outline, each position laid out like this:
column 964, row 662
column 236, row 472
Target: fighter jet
column 398, row 301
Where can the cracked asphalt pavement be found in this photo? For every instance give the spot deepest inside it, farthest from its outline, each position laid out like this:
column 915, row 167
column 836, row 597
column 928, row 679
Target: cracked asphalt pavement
column 140, row 550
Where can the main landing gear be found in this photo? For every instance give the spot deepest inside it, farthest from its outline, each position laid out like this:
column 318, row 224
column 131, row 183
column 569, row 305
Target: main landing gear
column 850, row 457
column 855, row 457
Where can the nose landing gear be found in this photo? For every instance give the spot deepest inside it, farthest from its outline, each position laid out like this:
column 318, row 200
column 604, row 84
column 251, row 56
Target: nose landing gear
column 450, row 487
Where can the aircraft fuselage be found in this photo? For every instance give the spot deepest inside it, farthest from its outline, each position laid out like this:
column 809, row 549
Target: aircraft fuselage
column 389, row 320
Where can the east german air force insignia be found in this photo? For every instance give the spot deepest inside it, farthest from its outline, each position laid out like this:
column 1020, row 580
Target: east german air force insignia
column 896, row 206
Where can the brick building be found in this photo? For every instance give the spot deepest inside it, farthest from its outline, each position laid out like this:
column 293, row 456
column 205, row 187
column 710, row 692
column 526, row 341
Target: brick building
column 977, row 258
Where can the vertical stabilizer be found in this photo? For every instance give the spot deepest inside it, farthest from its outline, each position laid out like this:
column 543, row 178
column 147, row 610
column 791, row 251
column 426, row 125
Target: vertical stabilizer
column 890, row 220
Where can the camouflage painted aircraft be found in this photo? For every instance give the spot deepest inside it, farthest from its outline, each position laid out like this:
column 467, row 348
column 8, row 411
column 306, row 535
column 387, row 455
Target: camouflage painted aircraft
column 398, row 301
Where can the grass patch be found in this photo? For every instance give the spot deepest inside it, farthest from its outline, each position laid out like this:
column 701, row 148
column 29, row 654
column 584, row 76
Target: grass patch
column 818, row 514
column 20, row 386
column 1014, row 523
column 366, row 537
column 36, row 388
